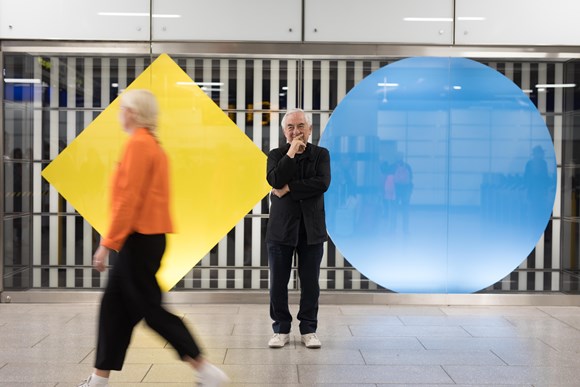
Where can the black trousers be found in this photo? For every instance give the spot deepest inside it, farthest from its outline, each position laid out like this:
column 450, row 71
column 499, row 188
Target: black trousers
column 133, row 294
column 280, row 260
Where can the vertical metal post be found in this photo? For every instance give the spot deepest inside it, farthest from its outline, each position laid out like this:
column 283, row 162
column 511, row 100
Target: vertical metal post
column 150, row 31
column 2, row 171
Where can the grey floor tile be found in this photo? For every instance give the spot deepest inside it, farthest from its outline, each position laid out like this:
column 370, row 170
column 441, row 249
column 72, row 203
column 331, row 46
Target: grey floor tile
column 464, row 321
column 59, row 373
column 59, row 355
column 339, row 385
column 166, row 384
column 380, row 310
column 513, row 375
column 267, row 374
column 362, row 342
column 455, row 385
column 6, row 309
column 257, row 310
column 7, row 317
column 170, row 373
column 62, row 340
column 495, row 331
column 371, row 374
column 26, row 384
column 204, row 309
column 309, row 385
column 573, row 384
column 414, row 310
column 546, row 357
column 21, row 340
column 548, row 322
column 143, row 384
column 404, row 331
column 366, row 310
column 559, row 311
column 492, row 311
column 301, row 355
column 259, row 328
column 329, row 310
column 563, row 343
column 230, row 318
column 571, row 321
column 215, row 329
column 479, row 343
column 524, row 331
column 430, row 357
column 39, row 327
column 356, row 319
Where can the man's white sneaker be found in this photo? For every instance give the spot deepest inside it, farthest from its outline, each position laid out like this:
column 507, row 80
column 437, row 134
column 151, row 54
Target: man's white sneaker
column 279, row 340
column 310, row 340
column 211, row 376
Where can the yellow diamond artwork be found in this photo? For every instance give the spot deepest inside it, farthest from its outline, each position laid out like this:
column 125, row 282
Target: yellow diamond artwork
column 217, row 172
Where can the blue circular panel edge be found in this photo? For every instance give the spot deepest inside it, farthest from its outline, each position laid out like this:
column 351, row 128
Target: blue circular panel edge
column 444, row 176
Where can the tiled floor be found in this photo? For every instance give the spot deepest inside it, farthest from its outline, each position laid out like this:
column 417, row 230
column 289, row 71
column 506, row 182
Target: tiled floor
column 53, row 345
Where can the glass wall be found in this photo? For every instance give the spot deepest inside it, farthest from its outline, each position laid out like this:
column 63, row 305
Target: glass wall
column 50, row 99
column 571, row 183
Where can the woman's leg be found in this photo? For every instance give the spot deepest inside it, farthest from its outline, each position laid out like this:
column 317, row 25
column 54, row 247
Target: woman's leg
column 145, row 262
column 116, row 320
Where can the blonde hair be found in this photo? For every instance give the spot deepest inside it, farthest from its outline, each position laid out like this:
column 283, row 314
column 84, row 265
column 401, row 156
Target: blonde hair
column 144, row 106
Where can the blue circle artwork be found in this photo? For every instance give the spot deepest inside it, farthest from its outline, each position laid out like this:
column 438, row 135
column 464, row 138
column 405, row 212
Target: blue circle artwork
column 443, row 176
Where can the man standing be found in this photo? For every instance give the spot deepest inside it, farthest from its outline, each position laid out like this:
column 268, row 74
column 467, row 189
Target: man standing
column 299, row 173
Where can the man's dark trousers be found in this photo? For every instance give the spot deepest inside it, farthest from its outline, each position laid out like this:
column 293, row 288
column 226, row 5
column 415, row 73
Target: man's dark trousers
column 280, row 259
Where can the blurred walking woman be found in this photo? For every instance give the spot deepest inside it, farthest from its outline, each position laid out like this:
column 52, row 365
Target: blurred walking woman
column 139, row 221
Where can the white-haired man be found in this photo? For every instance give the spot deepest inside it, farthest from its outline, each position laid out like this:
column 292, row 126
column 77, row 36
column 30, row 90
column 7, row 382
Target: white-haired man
column 299, row 173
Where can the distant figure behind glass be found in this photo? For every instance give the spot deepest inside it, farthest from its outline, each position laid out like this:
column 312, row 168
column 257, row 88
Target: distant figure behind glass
column 139, row 221
column 536, row 178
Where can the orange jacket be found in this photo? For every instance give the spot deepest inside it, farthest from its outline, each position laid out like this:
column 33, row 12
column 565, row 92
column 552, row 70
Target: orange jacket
column 139, row 192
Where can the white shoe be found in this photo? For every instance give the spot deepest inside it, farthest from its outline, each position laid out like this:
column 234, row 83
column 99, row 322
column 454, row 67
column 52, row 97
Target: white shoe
column 95, row 381
column 279, row 340
column 211, row 376
column 310, row 340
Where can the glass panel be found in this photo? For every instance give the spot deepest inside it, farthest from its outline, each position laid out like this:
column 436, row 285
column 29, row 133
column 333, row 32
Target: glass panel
column 17, row 187
column 571, row 191
column 571, row 256
column 17, row 131
column 55, row 97
column 17, row 253
column 571, row 250
column 572, row 138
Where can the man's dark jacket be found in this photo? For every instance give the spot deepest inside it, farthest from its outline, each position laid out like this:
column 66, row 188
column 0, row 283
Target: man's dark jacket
column 308, row 177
